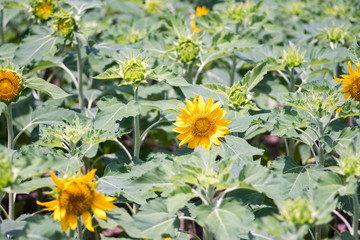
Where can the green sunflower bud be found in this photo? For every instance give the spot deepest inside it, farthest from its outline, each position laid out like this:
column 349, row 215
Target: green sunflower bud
column 297, row 211
column 134, row 70
column 239, row 98
column 64, row 24
column 153, row 6
column 350, row 165
column 240, row 11
column 336, row 34
column 292, row 57
column 187, row 50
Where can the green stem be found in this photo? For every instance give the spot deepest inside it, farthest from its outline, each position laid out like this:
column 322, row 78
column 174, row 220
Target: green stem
column 321, row 149
column 79, row 228
column 2, row 16
column 291, row 145
column 233, row 65
column 189, row 73
column 79, row 72
column 10, row 131
column 207, row 235
column 355, row 225
column 137, row 139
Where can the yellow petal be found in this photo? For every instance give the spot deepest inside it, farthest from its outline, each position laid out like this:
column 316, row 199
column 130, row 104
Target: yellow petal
column 72, row 220
column 88, row 177
column 64, row 223
column 201, row 104
column 205, row 143
column 59, row 182
column 103, row 202
column 99, row 212
column 351, row 71
column 49, row 205
column 86, row 217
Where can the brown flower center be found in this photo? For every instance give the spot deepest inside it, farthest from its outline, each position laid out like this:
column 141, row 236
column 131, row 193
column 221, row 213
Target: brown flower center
column 355, row 89
column 202, row 126
column 76, row 198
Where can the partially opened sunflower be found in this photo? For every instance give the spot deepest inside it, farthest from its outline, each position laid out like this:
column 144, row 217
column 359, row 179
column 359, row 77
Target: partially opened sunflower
column 202, row 123
column 351, row 83
column 75, row 197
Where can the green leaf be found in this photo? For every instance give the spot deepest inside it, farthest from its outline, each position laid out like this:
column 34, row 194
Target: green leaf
column 48, row 88
column 110, row 73
column 218, row 88
column 253, row 77
column 36, row 46
column 226, row 221
column 7, row 51
column 111, row 111
column 165, row 74
column 354, row 51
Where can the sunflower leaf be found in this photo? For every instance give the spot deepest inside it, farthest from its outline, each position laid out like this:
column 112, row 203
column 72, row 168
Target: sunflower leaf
column 354, row 51
column 48, row 88
column 253, row 77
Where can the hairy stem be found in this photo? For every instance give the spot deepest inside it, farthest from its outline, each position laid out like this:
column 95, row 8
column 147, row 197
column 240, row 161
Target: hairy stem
column 10, row 130
column 355, row 225
column 79, row 72
column 137, row 139
column 234, row 63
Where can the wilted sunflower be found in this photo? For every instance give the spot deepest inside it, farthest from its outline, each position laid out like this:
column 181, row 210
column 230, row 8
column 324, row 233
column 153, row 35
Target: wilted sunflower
column 10, row 85
column 202, row 123
column 351, row 83
column 76, row 196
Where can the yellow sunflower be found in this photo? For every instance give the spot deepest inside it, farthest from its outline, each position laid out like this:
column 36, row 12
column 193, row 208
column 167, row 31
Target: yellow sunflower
column 76, row 196
column 10, row 85
column 202, row 123
column 199, row 12
column 43, row 9
column 351, row 83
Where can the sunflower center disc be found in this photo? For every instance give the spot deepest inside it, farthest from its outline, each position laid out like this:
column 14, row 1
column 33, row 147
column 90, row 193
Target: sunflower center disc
column 202, row 125
column 5, row 86
column 355, row 89
column 76, row 198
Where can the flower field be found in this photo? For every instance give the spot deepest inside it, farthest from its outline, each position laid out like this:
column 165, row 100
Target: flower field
column 179, row 119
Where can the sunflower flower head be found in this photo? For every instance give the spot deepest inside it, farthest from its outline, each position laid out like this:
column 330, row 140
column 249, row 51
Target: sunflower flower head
column 239, row 97
column 201, row 123
column 351, row 83
column 64, row 23
column 297, row 211
column 134, row 70
column 187, row 50
column 200, row 11
column 336, row 34
column 292, row 56
column 11, row 84
column 76, row 197
column 43, row 9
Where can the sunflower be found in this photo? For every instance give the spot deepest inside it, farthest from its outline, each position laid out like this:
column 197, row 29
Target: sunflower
column 76, row 196
column 10, row 85
column 43, row 9
column 202, row 123
column 199, row 12
column 351, row 83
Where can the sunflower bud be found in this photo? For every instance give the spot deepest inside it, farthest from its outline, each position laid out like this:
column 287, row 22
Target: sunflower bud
column 292, row 57
column 64, row 24
column 209, row 177
column 43, row 9
column 5, row 170
column 153, row 6
column 297, row 211
column 134, row 70
column 240, row 11
column 350, row 165
column 336, row 34
column 187, row 50
column 239, row 98
column 11, row 84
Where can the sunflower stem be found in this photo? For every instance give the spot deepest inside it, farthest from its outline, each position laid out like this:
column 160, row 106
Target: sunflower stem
column 2, row 27
column 189, row 73
column 79, row 72
column 233, row 65
column 137, row 139
column 291, row 143
column 355, row 225
column 10, row 130
column 79, row 228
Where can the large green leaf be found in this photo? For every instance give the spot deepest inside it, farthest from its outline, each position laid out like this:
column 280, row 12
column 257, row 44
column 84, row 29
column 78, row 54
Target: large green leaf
column 48, row 88
column 253, row 77
column 111, row 111
column 354, row 51
column 165, row 74
column 226, row 221
column 36, row 46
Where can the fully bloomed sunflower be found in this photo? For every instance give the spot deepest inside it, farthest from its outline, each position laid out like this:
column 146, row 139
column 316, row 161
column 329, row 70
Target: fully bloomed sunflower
column 76, row 196
column 351, row 83
column 202, row 123
column 11, row 84
column 199, row 12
